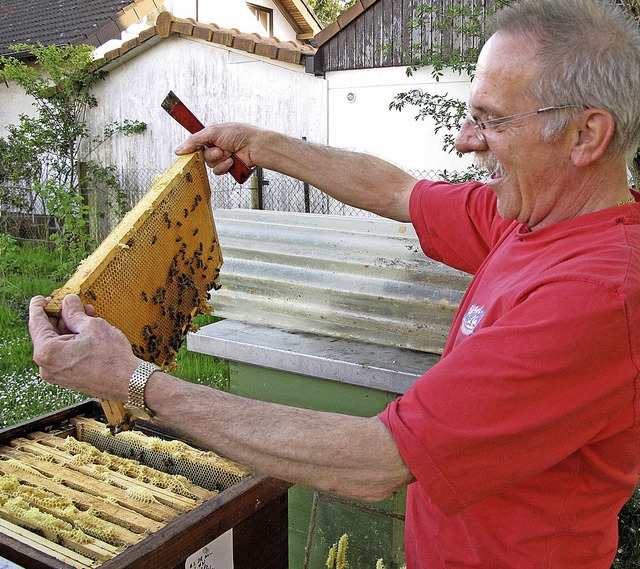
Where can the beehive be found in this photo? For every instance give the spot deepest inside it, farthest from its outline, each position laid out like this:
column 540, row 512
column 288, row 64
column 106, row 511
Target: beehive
column 154, row 271
column 74, row 496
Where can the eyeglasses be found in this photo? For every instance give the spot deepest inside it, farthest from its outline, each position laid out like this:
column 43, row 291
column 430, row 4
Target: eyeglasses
column 479, row 126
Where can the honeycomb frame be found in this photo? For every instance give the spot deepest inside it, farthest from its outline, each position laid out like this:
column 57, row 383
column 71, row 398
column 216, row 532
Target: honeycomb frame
column 154, row 271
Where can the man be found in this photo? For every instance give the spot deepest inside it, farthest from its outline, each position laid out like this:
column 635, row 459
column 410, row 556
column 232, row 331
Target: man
column 523, row 443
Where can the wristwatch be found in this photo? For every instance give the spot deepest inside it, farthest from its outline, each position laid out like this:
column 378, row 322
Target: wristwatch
column 135, row 405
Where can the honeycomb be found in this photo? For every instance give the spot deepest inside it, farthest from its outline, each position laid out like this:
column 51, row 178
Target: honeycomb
column 154, row 271
column 87, row 512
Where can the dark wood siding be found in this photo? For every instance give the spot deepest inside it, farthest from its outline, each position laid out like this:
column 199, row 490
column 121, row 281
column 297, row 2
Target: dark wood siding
column 380, row 36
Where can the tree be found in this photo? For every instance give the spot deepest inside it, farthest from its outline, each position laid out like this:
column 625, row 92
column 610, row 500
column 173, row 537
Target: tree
column 329, row 10
column 46, row 158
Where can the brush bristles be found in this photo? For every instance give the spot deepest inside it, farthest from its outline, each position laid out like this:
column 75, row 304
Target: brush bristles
column 169, row 101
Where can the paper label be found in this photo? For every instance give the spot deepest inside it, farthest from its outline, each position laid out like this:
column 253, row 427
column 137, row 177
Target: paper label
column 216, row 555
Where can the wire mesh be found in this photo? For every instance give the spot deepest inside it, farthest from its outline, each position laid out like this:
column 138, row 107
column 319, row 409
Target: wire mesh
column 266, row 190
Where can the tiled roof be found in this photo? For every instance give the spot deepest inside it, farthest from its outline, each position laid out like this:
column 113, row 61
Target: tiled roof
column 60, row 22
column 167, row 24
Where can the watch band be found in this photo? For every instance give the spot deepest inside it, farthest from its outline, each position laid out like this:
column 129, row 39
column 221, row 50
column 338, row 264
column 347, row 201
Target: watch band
column 135, row 404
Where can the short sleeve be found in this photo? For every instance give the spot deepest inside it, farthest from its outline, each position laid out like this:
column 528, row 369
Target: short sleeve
column 457, row 224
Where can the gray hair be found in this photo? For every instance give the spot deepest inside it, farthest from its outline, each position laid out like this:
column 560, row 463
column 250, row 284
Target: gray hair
column 588, row 54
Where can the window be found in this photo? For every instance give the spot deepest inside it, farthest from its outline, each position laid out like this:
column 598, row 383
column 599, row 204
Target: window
column 264, row 16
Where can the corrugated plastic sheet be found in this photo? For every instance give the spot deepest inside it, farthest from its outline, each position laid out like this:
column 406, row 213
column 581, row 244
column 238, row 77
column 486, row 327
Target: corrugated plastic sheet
column 345, row 277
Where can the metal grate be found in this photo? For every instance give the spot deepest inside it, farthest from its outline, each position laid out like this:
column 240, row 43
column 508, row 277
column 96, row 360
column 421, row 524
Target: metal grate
column 206, row 476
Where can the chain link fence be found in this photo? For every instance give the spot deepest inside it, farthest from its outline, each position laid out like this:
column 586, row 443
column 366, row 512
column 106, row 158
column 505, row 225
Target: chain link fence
column 265, row 190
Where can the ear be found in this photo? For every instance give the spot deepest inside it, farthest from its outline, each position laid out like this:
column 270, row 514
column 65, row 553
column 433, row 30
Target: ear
column 594, row 132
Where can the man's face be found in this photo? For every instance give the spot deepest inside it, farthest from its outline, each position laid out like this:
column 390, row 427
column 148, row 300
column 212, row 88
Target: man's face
column 527, row 173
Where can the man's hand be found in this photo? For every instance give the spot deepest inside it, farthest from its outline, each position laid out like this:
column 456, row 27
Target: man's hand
column 219, row 141
column 79, row 351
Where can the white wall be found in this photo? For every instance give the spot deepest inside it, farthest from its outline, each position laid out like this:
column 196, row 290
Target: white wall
column 367, row 124
column 218, row 84
column 13, row 103
column 232, row 14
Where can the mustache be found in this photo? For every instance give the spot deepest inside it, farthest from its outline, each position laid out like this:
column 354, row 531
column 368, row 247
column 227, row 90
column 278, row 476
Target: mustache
column 488, row 162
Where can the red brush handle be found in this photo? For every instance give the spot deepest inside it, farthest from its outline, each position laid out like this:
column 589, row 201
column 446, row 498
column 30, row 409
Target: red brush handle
column 179, row 111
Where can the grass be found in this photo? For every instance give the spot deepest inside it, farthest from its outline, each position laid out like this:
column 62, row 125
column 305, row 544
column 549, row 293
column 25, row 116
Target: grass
column 29, row 271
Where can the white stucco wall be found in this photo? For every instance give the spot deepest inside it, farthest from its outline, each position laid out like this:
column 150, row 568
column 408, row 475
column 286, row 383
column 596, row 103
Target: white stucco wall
column 13, row 103
column 217, row 83
column 365, row 122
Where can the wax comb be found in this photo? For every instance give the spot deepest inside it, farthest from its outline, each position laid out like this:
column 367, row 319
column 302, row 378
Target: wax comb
column 153, row 273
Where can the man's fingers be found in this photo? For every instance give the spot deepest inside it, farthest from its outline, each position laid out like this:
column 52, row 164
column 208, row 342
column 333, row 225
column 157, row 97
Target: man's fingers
column 195, row 142
column 39, row 323
column 73, row 313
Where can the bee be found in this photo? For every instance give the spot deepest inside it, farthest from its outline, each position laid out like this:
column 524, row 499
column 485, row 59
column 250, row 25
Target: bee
column 144, row 296
column 159, row 296
column 154, row 239
column 92, row 295
column 195, row 231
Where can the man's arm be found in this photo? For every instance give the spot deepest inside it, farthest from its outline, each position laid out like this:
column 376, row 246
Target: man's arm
column 342, row 454
column 354, row 178
column 350, row 456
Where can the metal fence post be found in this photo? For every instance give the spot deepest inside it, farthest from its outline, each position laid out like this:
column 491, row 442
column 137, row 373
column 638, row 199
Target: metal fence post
column 307, row 197
column 257, row 197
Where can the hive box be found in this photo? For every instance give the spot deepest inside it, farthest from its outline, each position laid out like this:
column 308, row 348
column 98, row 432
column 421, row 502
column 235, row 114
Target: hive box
column 254, row 509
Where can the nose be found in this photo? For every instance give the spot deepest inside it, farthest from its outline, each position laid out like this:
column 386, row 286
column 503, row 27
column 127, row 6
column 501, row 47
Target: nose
column 467, row 139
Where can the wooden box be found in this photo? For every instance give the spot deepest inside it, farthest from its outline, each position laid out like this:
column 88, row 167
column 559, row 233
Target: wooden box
column 254, row 509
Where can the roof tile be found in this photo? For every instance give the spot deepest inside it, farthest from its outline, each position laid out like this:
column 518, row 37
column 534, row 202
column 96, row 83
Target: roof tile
column 273, row 48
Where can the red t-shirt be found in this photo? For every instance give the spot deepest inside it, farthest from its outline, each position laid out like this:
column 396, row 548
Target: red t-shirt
column 524, row 439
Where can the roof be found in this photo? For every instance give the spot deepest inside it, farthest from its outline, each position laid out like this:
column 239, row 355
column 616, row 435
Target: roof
column 167, row 25
column 94, row 22
column 62, row 22
column 300, row 17
column 344, row 19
